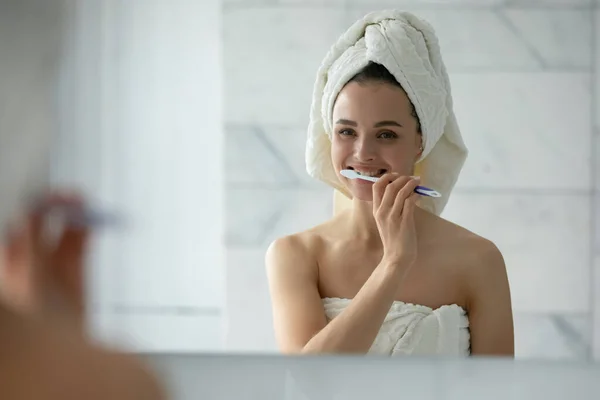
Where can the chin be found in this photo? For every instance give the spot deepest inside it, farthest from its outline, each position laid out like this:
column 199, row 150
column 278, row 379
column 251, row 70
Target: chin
column 364, row 193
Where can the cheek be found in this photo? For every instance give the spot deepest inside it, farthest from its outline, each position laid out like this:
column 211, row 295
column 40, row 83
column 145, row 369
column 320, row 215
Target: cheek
column 399, row 157
column 339, row 151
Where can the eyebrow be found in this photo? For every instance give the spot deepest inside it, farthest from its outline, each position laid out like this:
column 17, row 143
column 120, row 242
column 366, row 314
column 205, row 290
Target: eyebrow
column 377, row 125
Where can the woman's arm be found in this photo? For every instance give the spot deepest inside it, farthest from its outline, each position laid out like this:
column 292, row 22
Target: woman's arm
column 299, row 318
column 300, row 322
column 489, row 304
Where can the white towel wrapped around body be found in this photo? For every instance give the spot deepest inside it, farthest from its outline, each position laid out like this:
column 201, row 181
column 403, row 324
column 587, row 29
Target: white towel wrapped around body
column 408, row 47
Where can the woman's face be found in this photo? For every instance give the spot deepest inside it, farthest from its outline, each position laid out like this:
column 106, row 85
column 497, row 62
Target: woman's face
column 374, row 132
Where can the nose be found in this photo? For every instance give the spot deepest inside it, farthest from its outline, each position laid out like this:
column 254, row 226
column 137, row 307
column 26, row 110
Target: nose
column 364, row 150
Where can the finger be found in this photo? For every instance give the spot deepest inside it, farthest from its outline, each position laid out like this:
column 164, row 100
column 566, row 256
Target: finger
column 379, row 188
column 404, row 194
column 411, row 203
column 36, row 227
column 408, row 211
column 392, row 190
column 59, row 250
column 68, row 257
column 45, row 212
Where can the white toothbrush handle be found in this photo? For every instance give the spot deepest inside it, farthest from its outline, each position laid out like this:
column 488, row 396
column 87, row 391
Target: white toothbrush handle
column 367, row 178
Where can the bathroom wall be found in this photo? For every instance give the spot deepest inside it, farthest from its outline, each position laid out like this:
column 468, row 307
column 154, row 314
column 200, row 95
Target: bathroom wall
column 156, row 282
column 521, row 73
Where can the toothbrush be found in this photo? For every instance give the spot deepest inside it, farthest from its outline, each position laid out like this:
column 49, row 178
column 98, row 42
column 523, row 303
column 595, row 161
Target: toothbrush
column 84, row 216
column 422, row 190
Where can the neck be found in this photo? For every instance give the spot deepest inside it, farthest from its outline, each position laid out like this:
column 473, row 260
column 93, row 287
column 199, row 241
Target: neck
column 363, row 221
column 363, row 225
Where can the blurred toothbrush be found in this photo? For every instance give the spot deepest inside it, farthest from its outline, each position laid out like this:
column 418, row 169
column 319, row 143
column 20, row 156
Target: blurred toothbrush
column 422, row 190
column 79, row 215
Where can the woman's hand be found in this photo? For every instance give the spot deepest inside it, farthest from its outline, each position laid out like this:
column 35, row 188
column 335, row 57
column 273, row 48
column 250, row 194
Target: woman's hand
column 394, row 202
column 43, row 275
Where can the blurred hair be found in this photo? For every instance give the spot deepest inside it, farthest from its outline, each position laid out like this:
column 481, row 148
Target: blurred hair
column 31, row 34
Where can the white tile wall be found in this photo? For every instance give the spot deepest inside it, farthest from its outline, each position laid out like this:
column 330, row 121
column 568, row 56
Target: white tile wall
column 552, row 336
column 505, row 39
column 521, row 73
column 525, row 130
column 471, row 3
column 250, row 326
column 540, row 237
column 157, row 281
column 271, row 58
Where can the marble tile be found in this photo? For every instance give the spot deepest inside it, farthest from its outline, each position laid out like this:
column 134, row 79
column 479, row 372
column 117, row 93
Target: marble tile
column 552, row 336
column 556, row 38
column 267, row 156
column 543, row 3
column 256, row 156
column 473, row 3
column 305, row 209
column 255, row 217
column 424, row 4
column 245, row 3
column 284, row 3
column 248, row 307
column 252, row 213
column 544, row 240
column 498, row 39
column 532, row 131
column 321, row 3
column 271, row 60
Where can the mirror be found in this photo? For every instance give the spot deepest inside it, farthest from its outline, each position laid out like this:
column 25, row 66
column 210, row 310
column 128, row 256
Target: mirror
column 192, row 121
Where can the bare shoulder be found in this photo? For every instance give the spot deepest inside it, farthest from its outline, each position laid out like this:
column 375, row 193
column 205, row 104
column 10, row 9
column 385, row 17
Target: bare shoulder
column 302, row 248
column 291, row 247
column 478, row 255
column 479, row 265
column 484, row 281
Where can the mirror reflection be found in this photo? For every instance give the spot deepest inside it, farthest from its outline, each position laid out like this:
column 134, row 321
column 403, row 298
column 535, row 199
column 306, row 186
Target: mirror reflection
column 513, row 203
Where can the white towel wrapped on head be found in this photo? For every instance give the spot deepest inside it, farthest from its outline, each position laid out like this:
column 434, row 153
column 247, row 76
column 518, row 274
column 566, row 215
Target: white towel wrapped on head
column 408, row 47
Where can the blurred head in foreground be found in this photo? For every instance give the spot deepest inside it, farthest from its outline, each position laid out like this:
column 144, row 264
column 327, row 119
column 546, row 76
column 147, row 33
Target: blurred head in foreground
column 34, row 271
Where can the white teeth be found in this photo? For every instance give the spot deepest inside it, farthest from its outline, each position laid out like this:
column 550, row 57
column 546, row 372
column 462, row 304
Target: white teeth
column 366, row 173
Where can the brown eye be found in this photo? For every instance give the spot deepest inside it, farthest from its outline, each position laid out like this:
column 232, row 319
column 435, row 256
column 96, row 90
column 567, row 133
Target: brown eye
column 388, row 135
column 345, row 132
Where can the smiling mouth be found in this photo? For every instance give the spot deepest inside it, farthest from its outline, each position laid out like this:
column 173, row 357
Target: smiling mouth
column 376, row 173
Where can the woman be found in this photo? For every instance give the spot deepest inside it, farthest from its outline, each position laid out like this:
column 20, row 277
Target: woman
column 388, row 275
